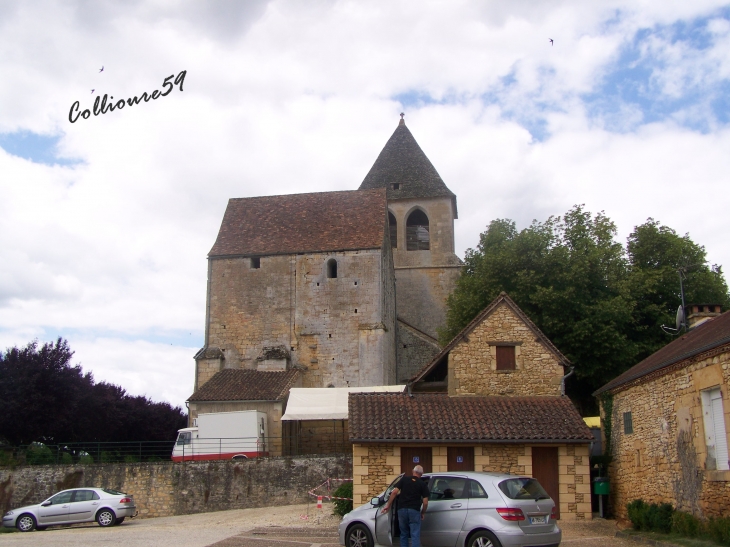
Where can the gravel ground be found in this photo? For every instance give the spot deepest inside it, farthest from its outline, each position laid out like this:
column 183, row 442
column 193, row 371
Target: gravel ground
column 284, row 526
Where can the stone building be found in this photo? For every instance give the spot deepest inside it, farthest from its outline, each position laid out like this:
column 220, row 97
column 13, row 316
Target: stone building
column 669, row 422
column 489, row 401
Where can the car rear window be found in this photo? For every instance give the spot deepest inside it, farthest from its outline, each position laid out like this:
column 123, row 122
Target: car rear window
column 113, row 492
column 523, row 488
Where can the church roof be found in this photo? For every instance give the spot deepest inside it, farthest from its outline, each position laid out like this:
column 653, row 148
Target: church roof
column 302, row 223
column 402, row 162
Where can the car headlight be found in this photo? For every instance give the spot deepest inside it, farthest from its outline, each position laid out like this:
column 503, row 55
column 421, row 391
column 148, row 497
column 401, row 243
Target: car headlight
column 9, row 513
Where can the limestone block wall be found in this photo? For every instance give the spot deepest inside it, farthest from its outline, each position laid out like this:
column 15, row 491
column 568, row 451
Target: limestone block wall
column 473, row 361
column 289, row 301
column 440, row 215
column 321, row 437
column 665, row 458
column 166, row 489
column 375, row 466
column 274, row 411
column 414, row 351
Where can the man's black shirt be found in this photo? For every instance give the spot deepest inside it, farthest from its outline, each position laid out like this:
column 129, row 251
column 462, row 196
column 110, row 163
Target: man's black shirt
column 412, row 491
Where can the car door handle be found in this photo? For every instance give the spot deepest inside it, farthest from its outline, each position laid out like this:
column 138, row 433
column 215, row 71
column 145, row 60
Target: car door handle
column 95, row 503
column 456, row 505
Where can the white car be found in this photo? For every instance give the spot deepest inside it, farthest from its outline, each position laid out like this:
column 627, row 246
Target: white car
column 105, row 506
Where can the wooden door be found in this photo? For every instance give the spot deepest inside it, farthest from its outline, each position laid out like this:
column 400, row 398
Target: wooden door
column 411, row 456
column 545, row 470
column 460, row 458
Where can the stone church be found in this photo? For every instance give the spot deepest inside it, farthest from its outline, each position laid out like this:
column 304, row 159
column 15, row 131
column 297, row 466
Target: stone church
column 334, row 289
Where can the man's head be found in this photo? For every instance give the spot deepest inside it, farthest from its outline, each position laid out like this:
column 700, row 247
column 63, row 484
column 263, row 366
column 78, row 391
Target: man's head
column 418, row 470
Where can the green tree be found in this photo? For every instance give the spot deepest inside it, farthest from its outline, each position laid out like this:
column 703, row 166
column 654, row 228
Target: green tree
column 600, row 304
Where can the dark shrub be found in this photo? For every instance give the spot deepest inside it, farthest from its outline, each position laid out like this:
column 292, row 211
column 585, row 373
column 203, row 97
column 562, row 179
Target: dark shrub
column 719, row 530
column 686, row 525
column 659, row 517
column 39, row 454
column 637, row 510
column 342, row 507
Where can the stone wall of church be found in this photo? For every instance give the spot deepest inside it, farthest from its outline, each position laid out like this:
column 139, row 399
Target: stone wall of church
column 473, row 361
column 414, row 351
column 327, row 324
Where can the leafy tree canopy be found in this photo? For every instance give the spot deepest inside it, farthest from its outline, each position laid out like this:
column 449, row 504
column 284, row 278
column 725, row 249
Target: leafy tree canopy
column 600, row 303
column 44, row 398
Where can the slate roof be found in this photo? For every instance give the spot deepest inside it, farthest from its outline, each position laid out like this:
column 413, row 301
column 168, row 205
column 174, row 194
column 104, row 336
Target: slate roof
column 503, row 298
column 402, row 161
column 438, row 417
column 709, row 335
column 302, row 223
column 246, row 385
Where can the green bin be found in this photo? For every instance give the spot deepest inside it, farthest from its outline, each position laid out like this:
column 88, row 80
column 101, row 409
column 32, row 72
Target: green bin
column 601, row 486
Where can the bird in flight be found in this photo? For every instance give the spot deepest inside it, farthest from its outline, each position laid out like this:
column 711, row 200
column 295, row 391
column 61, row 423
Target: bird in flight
column 551, row 43
column 92, row 91
column 102, row 66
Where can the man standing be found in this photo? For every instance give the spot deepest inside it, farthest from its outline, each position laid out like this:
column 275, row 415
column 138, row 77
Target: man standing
column 412, row 506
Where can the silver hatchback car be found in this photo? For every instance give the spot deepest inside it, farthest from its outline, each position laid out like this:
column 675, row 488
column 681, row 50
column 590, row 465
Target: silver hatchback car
column 466, row 509
column 105, row 506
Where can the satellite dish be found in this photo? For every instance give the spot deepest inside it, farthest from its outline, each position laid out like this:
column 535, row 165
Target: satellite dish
column 680, row 317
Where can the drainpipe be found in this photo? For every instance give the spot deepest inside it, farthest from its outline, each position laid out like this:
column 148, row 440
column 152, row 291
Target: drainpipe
column 408, row 389
column 562, row 382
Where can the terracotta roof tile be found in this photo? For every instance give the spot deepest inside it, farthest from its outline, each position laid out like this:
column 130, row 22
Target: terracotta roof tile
column 704, row 337
column 402, row 161
column 246, row 385
column 438, row 417
column 301, row 223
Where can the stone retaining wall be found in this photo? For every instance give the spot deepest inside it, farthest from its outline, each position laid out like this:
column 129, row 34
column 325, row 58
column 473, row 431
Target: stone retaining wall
column 180, row 488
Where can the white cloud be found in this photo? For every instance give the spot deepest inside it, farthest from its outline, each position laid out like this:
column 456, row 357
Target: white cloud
column 285, row 97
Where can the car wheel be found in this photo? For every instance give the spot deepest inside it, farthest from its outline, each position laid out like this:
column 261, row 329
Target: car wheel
column 25, row 523
column 120, row 520
column 483, row 538
column 106, row 517
column 358, row 536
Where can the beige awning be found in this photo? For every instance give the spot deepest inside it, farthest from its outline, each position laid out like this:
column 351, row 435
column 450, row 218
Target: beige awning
column 325, row 403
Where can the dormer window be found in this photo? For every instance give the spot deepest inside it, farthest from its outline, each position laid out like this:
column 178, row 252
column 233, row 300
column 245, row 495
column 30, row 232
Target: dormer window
column 255, row 263
column 331, row 268
column 417, row 234
column 396, row 186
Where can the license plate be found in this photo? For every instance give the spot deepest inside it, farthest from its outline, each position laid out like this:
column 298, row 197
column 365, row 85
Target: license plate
column 538, row 520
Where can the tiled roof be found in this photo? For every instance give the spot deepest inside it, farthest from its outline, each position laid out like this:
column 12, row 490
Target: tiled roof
column 704, row 337
column 402, row 161
column 438, row 417
column 301, row 223
column 486, row 312
column 246, row 385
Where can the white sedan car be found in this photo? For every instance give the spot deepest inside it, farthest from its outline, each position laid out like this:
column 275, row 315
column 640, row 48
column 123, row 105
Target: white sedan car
column 105, row 506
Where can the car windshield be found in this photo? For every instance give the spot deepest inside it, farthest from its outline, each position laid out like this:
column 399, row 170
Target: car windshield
column 523, row 488
column 113, row 492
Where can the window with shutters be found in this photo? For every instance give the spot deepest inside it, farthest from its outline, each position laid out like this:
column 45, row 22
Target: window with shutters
column 393, row 226
column 715, row 432
column 506, row 358
column 417, row 234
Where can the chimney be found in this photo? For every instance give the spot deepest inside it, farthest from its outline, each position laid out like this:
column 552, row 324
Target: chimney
column 701, row 313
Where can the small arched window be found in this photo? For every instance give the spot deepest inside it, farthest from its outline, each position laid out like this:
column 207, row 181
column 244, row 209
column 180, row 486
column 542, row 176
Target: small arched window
column 417, row 235
column 332, row 268
column 393, row 226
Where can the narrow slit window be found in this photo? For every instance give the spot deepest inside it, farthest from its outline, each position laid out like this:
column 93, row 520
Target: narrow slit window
column 418, row 237
column 393, row 228
column 628, row 423
column 332, row 268
column 255, row 262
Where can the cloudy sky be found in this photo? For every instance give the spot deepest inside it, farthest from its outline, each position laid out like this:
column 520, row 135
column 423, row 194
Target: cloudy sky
column 105, row 223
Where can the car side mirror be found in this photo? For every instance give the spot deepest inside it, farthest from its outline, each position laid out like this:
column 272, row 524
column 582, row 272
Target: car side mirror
column 46, row 503
column 375, row 502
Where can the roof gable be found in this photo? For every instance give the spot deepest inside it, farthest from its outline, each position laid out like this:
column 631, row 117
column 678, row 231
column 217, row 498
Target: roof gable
column 706, row 336
column 300, row 223
column 501, row 300
column 437, row 417
column 403, row 162
column 246, row 385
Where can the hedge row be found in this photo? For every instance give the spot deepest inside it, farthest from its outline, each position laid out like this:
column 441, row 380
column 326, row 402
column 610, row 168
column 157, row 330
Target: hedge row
column 663, row 518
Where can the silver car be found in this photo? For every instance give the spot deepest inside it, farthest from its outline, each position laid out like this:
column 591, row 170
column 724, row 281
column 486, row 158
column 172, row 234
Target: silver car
column 466, row 509
column 105, row 506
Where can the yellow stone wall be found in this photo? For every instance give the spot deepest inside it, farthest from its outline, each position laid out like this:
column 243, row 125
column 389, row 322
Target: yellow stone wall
column 375, row 466
column 663, row 460
column 473, row 361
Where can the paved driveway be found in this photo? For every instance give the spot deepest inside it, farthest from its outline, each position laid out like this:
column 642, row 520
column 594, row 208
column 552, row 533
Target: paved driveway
column 288, row 526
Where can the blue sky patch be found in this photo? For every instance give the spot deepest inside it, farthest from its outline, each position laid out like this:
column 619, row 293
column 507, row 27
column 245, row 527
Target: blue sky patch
column 35, row 147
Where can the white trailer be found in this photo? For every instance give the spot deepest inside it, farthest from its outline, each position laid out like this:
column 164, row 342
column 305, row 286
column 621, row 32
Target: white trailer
column 223, row 436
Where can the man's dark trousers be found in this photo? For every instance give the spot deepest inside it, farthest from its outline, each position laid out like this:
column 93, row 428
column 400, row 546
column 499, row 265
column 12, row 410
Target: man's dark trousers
column 409, row 521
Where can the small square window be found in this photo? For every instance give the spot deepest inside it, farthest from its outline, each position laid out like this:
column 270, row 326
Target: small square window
column 628, row 423
column 255, row 262
column 396, row 186
column 506, row 358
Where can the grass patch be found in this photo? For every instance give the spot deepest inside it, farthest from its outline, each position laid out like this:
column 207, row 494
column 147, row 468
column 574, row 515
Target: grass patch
column 4, row 530
column 676, row 539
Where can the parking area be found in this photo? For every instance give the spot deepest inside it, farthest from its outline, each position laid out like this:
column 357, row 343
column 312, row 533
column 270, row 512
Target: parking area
column 287, row 526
